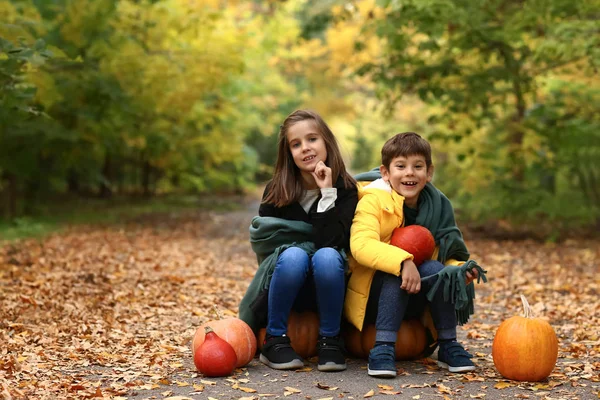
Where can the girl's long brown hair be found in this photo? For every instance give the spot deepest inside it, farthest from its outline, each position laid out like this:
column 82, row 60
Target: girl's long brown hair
column 286, row 186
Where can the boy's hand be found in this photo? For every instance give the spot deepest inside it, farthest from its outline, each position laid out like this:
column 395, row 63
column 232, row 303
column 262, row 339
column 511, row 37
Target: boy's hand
column 322, row 175
column 411, row 279
column 472, row 274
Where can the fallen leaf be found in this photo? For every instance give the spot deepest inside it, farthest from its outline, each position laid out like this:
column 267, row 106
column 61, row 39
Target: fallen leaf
column 198, row 388
column 393, row 392
column 370, row 393
column 540, row 386
column 325, row 387
column 473, row 378
column 444, row 389
column 149, row 386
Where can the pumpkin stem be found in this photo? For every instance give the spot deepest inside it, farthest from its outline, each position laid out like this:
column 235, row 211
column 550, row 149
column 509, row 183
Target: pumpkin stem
column 207, row 330
column 215, row 309
column 526, row 307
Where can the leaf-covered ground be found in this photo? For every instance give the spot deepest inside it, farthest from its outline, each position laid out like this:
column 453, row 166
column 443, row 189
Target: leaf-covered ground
column 110, row 312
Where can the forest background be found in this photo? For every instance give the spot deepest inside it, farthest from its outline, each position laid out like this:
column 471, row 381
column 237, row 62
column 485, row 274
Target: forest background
column 105, row 100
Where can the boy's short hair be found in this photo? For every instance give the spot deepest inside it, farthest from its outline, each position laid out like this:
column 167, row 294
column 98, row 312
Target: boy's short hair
column 405, row 144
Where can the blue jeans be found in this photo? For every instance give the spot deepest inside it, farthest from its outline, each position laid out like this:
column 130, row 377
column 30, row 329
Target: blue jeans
column 389, row 304
column 299, row 280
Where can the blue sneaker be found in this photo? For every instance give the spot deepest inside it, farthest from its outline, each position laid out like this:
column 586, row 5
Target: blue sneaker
column 454, row 357
column 382, row 362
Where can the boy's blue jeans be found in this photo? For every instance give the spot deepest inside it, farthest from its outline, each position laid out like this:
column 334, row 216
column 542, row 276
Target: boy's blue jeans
column 305, row 283
column 389, row 304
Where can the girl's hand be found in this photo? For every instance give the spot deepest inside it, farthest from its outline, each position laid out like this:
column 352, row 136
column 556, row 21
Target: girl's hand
column 411, row 279
column 472, row 274
column 322, row 175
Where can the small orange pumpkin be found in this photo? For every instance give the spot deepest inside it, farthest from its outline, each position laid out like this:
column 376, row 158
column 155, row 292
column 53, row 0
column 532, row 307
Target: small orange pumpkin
column 415, row 239
column 235, row 332
column 410, row 342
column 525, row 348
column 303, row 331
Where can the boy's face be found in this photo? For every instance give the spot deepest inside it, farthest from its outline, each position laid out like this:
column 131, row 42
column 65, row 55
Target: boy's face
column 408, row 176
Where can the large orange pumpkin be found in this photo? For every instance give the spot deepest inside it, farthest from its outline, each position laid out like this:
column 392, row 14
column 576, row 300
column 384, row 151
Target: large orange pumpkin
column 416, row 338
column 235, row 332
column 303, row 331
column 525, row 348
column 410, row 342
column 431, row 334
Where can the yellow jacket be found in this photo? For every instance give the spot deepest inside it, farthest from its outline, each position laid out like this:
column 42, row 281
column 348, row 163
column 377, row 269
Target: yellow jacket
column 378, row 213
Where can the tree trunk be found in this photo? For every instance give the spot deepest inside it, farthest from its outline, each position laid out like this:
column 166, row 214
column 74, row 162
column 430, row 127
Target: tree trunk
column 10, row 206
column 73, row 181
column 119, row 175
column 105, row 190
column 515, row 128
column 146, row 177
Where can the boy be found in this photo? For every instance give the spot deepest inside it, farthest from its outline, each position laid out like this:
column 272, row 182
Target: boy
column 384, row 277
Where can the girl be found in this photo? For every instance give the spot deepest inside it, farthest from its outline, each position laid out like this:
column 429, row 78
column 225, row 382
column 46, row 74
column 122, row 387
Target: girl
column 300, row 238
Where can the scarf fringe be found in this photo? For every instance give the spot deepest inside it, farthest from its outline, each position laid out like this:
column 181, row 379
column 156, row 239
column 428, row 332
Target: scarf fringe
column 455, row 288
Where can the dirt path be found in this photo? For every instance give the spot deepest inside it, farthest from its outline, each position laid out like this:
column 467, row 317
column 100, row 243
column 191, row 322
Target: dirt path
column 110, row 312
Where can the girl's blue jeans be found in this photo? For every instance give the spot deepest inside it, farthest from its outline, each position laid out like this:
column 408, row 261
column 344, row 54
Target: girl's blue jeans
column 389, row 304
column 303, row 283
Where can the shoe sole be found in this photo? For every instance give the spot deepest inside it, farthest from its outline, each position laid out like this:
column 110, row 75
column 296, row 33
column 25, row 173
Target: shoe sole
column 456, row 369
column 294, row 364
column 331, row 367
column 381, row 373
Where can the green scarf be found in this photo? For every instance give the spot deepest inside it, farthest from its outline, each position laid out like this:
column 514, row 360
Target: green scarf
column 269, row 237
column 436, row 214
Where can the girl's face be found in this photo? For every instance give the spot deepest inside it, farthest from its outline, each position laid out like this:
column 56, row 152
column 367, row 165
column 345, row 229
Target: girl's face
column 307, row 147
column 408, row 176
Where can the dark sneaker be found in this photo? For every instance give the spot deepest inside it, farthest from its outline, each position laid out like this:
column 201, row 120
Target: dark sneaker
column 331, row 355
column 277, row 353
column 454, row 357
column 382, row 361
